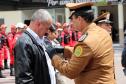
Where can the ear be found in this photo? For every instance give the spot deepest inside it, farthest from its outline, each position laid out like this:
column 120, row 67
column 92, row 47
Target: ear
column 37, row 23
column 79, row 18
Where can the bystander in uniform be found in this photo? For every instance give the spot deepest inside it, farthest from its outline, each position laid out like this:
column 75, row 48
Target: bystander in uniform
column 66, row 35
column 10, row 38
column 104, row 22
column 5, row 45
column 20, row 28
column 1, row 57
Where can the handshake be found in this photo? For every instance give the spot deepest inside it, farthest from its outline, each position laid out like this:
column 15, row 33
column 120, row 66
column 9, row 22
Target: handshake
column 52, row 51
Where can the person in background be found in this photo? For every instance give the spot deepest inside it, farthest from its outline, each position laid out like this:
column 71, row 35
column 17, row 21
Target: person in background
column 1, row 57
column 58, row 25
column 13, row 29
column 25, row 26
column 104, row 22
column 5, row 45
column 32, row 63
column 91, row 61
column 16, row 31
column 59, row 31
column 20, row 28
column 75, row 35
column 66, row 35
column 10, row 38
column 51, row 42
column 69, row 36
column 50, row 37
column 123, row 57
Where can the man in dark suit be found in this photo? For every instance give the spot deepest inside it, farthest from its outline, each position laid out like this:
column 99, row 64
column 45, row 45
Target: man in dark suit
column 32, row 63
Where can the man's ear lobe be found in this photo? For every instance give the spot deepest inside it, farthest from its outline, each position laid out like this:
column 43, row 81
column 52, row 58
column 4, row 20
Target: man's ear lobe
column 37, row 23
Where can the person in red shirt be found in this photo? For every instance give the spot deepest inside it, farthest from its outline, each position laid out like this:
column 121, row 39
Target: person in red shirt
column 20, row 29
column 10, row 39
column 65, row 35
column 5, row 45
column 59, row 31
column 69, row 36
column 1, row 58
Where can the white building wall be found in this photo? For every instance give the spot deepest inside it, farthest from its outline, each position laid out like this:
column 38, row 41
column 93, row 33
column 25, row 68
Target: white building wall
column 121, row 24
column 55, row 13
column 52, row 12
column 11, row 17
column 67, row 15
column 26, row 14
column 60, row 15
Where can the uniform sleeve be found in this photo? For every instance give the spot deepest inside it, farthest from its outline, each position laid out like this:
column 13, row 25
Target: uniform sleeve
column 23, row 71
column 79, row 60
column 68, row 52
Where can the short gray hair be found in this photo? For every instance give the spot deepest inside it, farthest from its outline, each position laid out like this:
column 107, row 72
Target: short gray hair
column 41, row 15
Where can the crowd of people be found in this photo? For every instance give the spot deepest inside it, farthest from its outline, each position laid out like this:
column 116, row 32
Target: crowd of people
column 57, row 34
column 7, row 43
column 80, row 50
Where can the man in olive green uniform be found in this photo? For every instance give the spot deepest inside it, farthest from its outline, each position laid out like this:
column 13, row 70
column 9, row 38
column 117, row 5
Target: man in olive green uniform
column 91, row 61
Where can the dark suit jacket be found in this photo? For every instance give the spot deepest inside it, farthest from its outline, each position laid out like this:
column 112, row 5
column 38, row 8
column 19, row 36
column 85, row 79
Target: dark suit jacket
column 30, row 61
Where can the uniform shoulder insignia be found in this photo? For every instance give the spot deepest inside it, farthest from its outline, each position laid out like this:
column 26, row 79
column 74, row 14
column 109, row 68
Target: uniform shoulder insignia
column 78, row 51
column 83, row 37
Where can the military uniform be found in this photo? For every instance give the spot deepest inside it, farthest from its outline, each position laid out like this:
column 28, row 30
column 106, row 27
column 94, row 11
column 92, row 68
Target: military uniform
column 92, row 58
column 104, row 22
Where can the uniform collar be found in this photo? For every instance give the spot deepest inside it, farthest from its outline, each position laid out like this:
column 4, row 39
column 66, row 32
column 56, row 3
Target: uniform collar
column 88, row 27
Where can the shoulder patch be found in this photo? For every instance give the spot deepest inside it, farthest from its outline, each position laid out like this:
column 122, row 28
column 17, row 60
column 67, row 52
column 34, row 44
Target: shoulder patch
column 83, row 37
column 78, row 51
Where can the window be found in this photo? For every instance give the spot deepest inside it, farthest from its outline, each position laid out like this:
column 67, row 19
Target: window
column 1, row 21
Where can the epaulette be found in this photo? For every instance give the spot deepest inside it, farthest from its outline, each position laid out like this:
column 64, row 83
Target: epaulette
column 82, row 38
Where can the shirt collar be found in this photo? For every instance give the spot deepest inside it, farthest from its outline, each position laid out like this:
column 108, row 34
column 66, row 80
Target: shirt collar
column 37, row 38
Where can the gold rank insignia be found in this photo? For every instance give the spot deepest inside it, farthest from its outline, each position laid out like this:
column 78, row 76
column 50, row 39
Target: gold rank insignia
column 78, row 51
